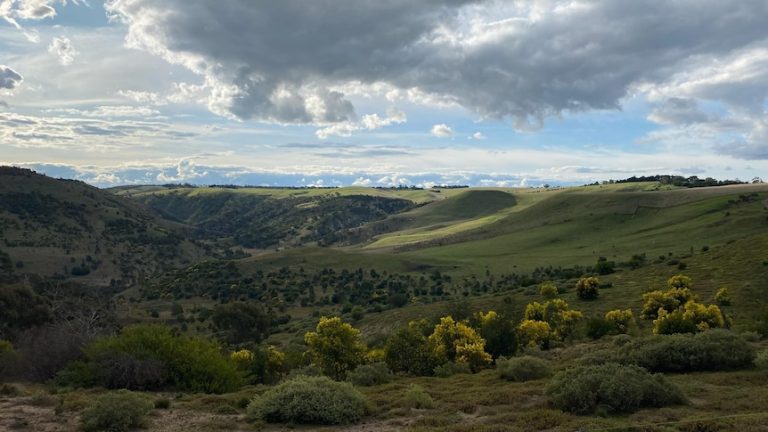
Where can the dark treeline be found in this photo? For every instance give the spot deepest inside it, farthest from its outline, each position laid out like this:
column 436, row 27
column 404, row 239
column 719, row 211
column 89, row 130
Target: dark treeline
column 680, row 181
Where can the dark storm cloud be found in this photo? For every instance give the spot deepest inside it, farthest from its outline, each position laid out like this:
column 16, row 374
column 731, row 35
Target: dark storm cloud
column 279, row 61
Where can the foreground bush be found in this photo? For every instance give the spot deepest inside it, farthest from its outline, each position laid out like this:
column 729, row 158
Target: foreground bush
column 370, row 375
column 147, row 357
column 611, row 388
column 711, row 350
column 309, row 400
column 116, row 412
column 417, row 397
column 524, row 368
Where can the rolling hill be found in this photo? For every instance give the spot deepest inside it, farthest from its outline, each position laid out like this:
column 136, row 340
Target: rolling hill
column 70, row 230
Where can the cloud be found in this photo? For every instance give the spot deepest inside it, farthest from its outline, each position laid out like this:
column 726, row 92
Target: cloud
column 110, row 111
column 369, row 122
column 478, row 136
column 86, row 134
column 523, row 61
column 13, row 11
column 441, row 130
column 9, row 78
column 62, row 47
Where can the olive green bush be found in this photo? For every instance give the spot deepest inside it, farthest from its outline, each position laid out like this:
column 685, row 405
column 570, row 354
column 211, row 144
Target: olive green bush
column 708, row 351
column 417, row 397
column 150, row 356
column 370, row 374
column 309, row 400
column 523, row 368
column 610, row 388
column 118, row 411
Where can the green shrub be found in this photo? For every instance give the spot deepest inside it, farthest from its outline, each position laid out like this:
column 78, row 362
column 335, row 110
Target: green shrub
column 588, row 288
column 151, row 356
column 523, row 368
column 621, row 340
column 162, row 403
column 309, row 400
column 611, row 388
column 116, row 412
column 711, row 350
column 762, row 359
column 449, row 369
column 417, row 397
column 370, row 374
column 7, row 359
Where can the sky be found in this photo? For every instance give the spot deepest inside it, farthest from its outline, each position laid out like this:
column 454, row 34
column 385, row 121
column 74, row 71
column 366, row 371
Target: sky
column 383, row 93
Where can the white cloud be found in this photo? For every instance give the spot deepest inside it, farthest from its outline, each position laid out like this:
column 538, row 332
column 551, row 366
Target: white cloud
column 62, row 47
column 9, row 78
column 369, row 122
column 478, row 136
column 441, row 130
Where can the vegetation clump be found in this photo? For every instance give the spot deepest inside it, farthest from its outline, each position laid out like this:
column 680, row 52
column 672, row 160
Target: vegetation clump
column 418, row 398
column 708, row 351
column 370, row 375
column 309, row 400
column 588, row 288
column 145, row 357
column 523, row 368
column 610, row 388
column 676, row 310
column 118, row 411
column 335, row 347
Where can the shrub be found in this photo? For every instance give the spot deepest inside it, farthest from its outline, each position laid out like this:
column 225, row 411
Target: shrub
column 548, row 290
column 762, row 360
column 723, row 297
column 450, row 369
column 335, row 346
column 610, row 387
column 409, row 350
column 588, row 288
column 456, row 341
column 7, row 359
column 417, row 397
column 534, row 333
column 691, row 318
column 309, row 400
column 523, row 368
column 162, row 403
column 711, row 350
column 116, row 412
column 151, row 356
column 598, row 327
column 620, row 320
column 370, row 375
column 498, row 332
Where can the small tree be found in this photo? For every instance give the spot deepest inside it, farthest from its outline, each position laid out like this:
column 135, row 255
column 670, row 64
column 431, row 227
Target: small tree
column 459, row 342
column 534, row 333
column 588, row 288
column 408, row 350
column 498, row 332
column 335, row 347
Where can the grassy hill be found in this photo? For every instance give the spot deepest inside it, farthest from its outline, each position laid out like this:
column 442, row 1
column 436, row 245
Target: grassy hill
column 263, row 218
column 69, row 229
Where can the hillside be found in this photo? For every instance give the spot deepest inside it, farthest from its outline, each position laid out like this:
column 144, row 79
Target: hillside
column 68, row 229
column 263, row 218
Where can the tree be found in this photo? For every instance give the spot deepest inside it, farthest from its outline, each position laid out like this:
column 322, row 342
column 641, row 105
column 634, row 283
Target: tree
column 534, row 333
column 561, row 320
column 459, row 342
column 498, row 332
column 604, row 267
column 335, row 347
column 238, row 323
column 409, row 350
column 21, row 309
column 588, row 288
